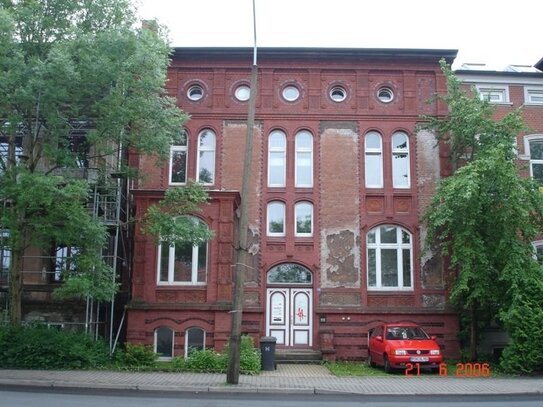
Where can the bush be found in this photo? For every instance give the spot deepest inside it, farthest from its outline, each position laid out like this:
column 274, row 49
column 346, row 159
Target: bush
column 249, row 360
column 39, row 347
column 208, row 360
column 524, row 323
column 249, row 357
column 136, row 357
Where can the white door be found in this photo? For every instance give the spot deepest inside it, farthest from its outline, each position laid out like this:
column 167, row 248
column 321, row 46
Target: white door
column 289, row 316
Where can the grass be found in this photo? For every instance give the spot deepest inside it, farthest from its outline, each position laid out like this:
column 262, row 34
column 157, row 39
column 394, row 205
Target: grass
column 354, row 369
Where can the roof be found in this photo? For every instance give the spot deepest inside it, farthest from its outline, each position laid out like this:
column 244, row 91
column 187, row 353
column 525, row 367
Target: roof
column 319, row 53
column 539, row 64
column 508, row 71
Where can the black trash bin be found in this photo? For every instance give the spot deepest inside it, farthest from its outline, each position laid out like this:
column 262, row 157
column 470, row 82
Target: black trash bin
column 267, row 352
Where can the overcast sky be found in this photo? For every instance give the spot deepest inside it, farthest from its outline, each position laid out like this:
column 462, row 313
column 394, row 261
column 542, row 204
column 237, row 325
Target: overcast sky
column 495, row 32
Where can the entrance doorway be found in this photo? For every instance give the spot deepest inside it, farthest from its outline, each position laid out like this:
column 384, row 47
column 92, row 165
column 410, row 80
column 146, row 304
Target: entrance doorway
column 289, row 305
column 289, row 316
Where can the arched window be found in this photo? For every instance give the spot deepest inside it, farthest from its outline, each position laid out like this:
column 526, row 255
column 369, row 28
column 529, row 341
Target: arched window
column 195, row 339
column 373, row 160
column 400, row 161
column 164, row 343
column 277, row 155
column 289, row 273
column 389, row 258
column 182, row 263
column 206, row 157
column 303, row 213
column 304, row 159
column 276, row 219
column 178, row 160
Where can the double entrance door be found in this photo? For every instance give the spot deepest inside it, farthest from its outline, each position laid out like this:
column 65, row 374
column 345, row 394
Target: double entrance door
column 289, row 316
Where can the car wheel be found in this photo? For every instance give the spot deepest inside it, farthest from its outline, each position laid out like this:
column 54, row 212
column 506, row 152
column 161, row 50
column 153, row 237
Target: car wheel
column 370, row 361
column 386, row 364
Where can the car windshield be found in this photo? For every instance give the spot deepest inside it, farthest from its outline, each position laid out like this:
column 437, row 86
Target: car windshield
column 405, row 332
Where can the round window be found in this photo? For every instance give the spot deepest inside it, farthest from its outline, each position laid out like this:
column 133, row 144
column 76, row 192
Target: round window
column 195, row 92
column 338, row 94
column 385, row 94
column 291, row 93
column 242, row 93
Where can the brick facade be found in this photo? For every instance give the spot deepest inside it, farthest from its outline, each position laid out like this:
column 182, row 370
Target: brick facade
column 342, row 308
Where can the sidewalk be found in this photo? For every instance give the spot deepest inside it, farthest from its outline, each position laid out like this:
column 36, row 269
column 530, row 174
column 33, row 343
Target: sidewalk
column 287, row 378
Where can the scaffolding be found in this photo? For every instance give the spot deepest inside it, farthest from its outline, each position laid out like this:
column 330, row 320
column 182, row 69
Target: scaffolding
column 108, row 203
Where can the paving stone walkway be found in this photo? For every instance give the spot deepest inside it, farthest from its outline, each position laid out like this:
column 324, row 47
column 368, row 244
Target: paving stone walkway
column 287, row 378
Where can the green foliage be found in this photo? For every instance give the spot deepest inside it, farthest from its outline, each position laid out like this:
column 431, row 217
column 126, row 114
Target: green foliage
column 39, row 347
column 167, row 221
column 208, row 360
column 345, row 369
column 249, row 356
column 469, row 129
column 484, row 218
column 136, row 357
column 523, row 320
column 71, row 68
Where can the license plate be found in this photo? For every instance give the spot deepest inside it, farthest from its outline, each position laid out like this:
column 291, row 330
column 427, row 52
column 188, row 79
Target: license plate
column 419, row 359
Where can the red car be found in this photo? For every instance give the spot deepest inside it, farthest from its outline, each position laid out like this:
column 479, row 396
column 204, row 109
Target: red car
column 395, row 345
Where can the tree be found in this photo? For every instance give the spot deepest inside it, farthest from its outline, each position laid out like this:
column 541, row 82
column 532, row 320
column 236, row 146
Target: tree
column 81, row 84
column 168, row 221
column 484, row 217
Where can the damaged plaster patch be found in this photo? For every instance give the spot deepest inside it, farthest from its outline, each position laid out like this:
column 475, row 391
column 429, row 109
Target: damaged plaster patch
column 340, row 258
column 253, row 248
column 431, row 265
column 254, row 240
column 427, row 157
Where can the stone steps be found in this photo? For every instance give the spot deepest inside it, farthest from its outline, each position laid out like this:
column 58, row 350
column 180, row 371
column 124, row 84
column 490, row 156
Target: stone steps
column 298, row 356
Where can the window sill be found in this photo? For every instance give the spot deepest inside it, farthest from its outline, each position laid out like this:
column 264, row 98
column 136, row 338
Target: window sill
column 390, row 290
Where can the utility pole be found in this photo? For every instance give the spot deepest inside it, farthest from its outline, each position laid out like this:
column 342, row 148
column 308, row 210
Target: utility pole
column 232, row 374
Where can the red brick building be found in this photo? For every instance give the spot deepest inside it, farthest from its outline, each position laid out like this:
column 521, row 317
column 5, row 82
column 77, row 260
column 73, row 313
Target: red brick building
column 340, row 179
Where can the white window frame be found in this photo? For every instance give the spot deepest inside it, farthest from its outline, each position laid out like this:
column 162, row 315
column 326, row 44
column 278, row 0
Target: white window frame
column 156, row 343
column 269, row 206
column 282, row 150
column 187, row 339
column 194, row 264
column 527, row 140
column 537, row 244
column 530, row 91
column 397, row 152
column 300, row 151
column 485, row 90
column 211, row 149
column 296, row 206
column 242, row 93
column 373, row 152
column 171, row 267
column 5, row 251
column 179, row 148
column 63, row 262
column 399, row 247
